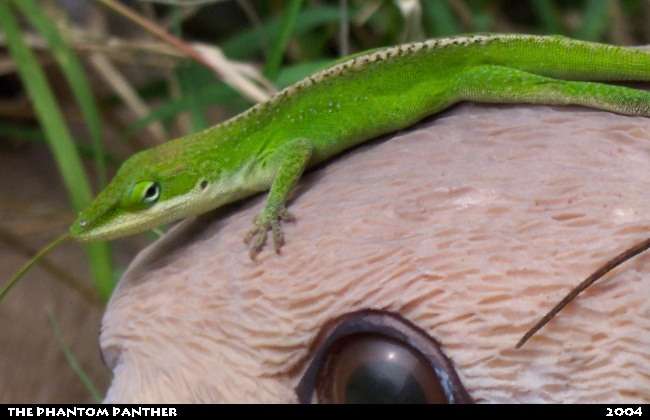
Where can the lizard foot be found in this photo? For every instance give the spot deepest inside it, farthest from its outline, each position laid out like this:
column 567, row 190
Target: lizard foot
column 261, row 224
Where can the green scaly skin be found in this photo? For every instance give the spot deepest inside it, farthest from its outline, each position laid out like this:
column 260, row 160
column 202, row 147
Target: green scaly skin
column 270, row 145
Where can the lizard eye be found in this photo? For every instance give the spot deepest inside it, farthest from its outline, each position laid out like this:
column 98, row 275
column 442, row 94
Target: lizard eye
column 143, row 194
column 151, row 193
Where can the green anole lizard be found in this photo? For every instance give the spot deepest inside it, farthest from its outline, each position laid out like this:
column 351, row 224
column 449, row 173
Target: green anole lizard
column 269, row 146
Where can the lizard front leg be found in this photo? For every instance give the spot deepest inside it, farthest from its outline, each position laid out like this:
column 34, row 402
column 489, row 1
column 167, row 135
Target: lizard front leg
column 291, row 160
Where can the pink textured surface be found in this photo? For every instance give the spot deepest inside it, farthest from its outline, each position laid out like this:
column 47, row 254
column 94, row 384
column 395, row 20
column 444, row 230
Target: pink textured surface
column 472, row 226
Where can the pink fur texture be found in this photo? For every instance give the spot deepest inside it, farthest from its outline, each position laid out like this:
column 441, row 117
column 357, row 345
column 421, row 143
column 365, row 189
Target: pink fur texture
column 471, row 225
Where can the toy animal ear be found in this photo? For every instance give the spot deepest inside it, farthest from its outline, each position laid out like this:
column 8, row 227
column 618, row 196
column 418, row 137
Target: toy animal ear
column 142, row 195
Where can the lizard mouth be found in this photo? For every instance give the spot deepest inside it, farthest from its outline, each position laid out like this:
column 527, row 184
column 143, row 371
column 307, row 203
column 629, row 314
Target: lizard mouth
column 129, row 223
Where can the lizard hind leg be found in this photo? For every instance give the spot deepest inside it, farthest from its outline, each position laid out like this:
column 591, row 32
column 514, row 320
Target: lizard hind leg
column 499, row 84
column 290, row 159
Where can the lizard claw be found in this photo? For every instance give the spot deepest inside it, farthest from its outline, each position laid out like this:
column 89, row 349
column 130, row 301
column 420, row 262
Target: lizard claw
column 261, row 224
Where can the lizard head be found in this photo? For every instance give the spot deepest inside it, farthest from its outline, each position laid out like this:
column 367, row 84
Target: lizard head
column 149, row 190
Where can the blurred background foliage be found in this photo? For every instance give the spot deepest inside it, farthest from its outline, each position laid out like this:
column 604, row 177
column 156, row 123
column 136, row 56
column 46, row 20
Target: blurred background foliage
column 98, row 80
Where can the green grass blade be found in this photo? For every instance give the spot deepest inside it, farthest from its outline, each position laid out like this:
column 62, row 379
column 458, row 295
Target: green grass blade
column 548, row 15
column 47, row 110
column 248, row 43
column 101, row 267
column 219, row 93
column 189, row 79
column 74, row 363
column 35, row 134
column 62, row 275
column 191, row 91
column 22, row 132
column 74, row 73
column 210, row 94
column 439, row 19
column 31, row 263
column 59, row 139
column 281, row 40
column 595, row 21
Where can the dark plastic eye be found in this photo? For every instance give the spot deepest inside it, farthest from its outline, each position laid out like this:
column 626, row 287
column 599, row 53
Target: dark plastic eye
column 379, row 357
column 373, row 369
